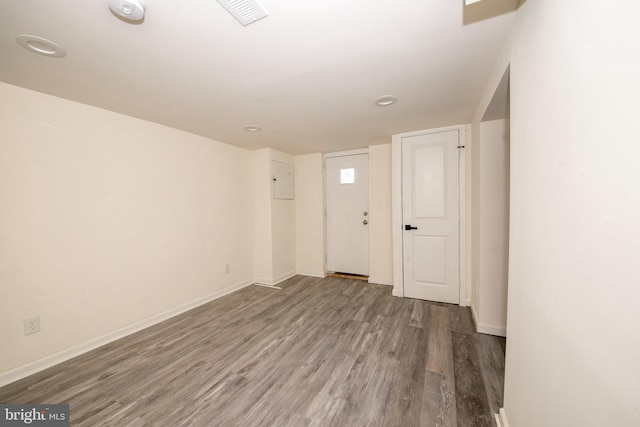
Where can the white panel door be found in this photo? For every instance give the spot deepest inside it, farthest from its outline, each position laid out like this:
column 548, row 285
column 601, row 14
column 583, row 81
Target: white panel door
column 430, row 217
column 347, row 186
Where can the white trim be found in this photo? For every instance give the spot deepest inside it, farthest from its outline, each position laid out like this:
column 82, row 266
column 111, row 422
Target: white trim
column 499, row 331
column 378, row 281
column 311, row 273
column 347, row 153
column 501, row 418
column 267, row 286
column 462, row 212
column 474, row 314
column 69, row 353
column 396, row 215
column 276, row 280
column 430, row 131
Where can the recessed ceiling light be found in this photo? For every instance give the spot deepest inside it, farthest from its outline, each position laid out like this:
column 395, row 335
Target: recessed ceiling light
column 252, row 128
column 42, row 46
column 385, row 100
column 130, row 10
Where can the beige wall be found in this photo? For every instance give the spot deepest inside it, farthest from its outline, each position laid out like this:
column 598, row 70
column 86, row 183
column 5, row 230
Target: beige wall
column 263, row 257
column 380, row 236
column 310, row 231
column 283, row 226
column 310, row 215
column 122, row 223
column 573, row 342
column 274, row 222
column 107, row 221
column 490, row 164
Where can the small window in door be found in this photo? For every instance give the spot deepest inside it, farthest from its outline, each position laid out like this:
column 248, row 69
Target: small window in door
column 347, row 176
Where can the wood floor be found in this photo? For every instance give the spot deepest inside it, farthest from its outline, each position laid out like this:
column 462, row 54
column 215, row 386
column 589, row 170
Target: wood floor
column 319, row 352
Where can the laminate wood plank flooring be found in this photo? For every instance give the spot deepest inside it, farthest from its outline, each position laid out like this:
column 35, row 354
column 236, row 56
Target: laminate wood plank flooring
column 319, row 352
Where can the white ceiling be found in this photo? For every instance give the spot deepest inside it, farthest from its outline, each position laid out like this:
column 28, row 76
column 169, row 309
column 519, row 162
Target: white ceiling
column 307, row 74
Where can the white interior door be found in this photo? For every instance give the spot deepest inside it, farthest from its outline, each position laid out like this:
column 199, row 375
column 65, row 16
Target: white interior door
column 430, row 217
column 347, row 187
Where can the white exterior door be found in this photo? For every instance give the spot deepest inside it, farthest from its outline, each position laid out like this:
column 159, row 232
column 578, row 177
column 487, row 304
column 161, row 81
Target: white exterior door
column 430, row 217
column 347, row 186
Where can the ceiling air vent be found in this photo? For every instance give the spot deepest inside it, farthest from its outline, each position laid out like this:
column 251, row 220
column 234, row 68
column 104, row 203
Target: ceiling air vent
column 245, row 11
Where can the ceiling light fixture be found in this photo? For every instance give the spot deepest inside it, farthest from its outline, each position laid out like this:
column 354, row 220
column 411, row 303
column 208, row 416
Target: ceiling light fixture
column 252, row 128
column 130, row 10
column 385, row 100
column 42, row 46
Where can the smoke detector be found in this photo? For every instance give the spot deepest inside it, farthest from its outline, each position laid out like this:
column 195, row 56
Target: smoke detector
column 129, row 10
column 245, row 11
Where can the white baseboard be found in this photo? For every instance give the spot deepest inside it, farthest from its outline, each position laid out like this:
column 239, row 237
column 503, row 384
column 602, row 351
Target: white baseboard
column 501, row 418
column 312, row 273
column 378, row 281
column 284, row 277
column 474, row 315
column 46, row 362
column 276, row 280
column 397, row 292
column 500, row 331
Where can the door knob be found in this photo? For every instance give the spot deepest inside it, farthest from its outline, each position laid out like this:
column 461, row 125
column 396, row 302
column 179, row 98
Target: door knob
column 365, row 213
column 365, row 222
column 409, row 227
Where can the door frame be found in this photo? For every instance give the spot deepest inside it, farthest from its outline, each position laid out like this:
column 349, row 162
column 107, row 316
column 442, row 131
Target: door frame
column 324, row 189
column 396, row 214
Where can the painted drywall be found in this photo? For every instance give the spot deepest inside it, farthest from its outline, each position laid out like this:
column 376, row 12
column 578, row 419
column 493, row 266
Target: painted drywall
column 380, row 236
column 573, row 343
column 107, row 220
column 263, row 257
column 274, row 222
column 283, row 226
column 491, row 226
column 310, row 231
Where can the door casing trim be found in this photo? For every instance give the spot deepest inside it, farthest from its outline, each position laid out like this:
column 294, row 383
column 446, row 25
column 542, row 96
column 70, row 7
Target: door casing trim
column 396, row 214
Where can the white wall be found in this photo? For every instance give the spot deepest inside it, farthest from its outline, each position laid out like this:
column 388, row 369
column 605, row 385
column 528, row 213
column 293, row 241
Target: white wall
column 310, row 229
column 491, row 226
column 573, row 342
column 283, row 226
column 274, row 222
column 380, row 236
column 263, row 257
column 310, row 215
column 108, row 221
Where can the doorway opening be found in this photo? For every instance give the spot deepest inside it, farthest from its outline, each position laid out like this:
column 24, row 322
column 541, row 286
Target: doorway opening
column 490, row 212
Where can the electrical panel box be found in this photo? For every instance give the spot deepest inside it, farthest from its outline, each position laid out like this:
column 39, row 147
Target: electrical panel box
column 282, row 176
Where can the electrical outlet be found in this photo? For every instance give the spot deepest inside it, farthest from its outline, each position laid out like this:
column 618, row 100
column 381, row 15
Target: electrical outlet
column 31, row 325
column 227, row 268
